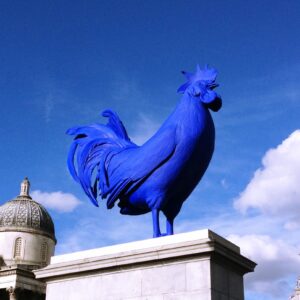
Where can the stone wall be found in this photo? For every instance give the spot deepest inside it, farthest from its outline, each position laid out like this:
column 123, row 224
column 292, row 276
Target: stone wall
column 197, row 265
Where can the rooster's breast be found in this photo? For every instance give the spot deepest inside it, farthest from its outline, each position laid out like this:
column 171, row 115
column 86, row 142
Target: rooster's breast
column 172, row 182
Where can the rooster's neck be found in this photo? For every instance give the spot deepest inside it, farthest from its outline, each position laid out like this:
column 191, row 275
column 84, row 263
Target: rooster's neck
column 190, row 108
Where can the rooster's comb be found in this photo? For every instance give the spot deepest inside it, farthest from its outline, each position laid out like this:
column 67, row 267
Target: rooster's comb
column 206, row 74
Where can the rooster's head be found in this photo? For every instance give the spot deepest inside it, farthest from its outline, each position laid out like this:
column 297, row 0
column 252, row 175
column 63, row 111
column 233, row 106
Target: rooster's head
column 201, row 85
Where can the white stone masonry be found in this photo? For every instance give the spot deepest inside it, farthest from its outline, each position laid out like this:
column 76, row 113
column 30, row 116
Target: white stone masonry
column 195, row 265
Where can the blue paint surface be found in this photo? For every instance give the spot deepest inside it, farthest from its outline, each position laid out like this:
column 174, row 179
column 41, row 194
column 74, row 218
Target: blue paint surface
column 160, row 174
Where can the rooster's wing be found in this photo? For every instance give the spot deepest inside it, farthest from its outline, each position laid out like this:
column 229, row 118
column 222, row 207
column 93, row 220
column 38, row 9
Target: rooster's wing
column 132, row 166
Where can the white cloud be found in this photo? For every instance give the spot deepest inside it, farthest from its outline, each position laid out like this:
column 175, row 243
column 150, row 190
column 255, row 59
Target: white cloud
column 274, row 188
column 104, row 228
column 274, row 191
column 59, row 201
column 276, row 261
column 144, row 129
column 292, row 225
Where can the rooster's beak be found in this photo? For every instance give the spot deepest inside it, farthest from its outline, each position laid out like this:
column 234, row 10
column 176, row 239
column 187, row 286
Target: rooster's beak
column 213, row 86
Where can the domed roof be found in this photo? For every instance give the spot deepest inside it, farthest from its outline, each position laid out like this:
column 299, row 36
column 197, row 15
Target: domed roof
column 26, row 215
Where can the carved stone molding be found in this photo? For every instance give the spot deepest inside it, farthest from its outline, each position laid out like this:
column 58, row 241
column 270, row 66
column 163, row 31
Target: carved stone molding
column 12, row 293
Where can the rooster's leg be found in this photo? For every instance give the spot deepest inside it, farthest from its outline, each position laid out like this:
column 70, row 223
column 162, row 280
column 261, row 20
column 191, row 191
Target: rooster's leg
column 170, row 223
column 155, row 220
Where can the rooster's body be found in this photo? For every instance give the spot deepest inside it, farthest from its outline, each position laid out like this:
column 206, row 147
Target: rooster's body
column 160, row 174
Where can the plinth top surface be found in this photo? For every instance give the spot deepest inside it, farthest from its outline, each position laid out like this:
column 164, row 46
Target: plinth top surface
column 203, row 244
column 143, row 245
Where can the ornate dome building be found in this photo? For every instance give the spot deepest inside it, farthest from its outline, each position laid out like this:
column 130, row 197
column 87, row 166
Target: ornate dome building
column 27, row 242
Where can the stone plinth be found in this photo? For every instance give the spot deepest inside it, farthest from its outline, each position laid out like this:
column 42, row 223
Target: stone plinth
column 18, row 283
column 195, row 265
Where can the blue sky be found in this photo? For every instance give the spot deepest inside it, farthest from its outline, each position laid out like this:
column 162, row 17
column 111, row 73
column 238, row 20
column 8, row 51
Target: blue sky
column 63, row 62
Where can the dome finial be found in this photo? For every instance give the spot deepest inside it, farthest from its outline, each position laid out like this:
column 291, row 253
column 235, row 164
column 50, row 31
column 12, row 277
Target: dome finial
column 25, row 187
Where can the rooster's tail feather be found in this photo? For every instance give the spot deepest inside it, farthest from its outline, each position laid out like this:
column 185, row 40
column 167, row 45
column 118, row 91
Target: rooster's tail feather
column 92, row 149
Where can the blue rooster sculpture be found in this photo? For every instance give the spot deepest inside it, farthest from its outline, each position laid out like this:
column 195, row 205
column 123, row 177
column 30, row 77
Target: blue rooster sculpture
column 160, row 174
